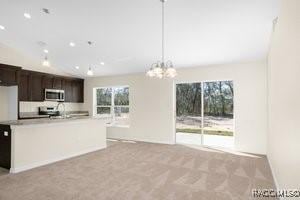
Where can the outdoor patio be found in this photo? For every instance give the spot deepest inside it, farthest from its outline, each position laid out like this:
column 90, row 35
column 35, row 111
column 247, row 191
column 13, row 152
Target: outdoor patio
column 208, row 140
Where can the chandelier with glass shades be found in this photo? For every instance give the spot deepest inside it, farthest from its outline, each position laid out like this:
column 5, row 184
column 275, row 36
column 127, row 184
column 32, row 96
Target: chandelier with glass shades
column 162, row 69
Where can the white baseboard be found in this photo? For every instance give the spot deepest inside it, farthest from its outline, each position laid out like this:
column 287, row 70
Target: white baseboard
column 153, row 141
column 141, row 140
column 273, row 174
column 45, row 162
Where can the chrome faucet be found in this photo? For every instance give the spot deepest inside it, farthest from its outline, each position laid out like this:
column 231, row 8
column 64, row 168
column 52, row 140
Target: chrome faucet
column 64, row 107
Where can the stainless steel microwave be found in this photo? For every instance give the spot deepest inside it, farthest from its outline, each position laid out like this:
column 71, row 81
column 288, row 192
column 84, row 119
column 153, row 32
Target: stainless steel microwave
column 54, row 95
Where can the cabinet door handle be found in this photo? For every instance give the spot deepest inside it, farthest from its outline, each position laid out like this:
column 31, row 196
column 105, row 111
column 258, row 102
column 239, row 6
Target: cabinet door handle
column 5, row 133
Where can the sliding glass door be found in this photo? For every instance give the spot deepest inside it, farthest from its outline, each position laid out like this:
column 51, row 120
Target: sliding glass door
column 218, row 113
column 189, row 113
column 204, row 113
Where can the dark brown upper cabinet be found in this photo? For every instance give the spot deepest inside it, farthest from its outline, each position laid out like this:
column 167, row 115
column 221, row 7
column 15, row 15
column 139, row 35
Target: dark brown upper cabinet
column 68, row 90
column 58, row 83
column 9, row 75
column 47, row 82
column 32, row 86
column 77, row 86
column 36, row 86
column 23, row 88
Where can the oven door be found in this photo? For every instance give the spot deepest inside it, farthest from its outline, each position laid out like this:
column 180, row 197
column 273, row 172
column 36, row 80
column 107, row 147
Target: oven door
column 54, row 95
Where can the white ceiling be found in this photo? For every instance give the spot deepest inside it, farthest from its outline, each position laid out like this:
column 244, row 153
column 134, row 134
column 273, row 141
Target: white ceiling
column 127, row 34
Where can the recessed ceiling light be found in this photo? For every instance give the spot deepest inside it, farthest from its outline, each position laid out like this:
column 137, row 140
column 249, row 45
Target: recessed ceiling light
column 46, row 51
column 77, row 67
column 102, row 63
column 72, row 44
column 27, row 15
column 2, row 27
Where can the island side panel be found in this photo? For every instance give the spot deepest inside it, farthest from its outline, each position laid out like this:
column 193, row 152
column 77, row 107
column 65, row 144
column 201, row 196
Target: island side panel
column 37, row 145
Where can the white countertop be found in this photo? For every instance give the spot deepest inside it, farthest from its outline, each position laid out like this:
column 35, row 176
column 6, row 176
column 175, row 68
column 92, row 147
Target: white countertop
column 43, row 121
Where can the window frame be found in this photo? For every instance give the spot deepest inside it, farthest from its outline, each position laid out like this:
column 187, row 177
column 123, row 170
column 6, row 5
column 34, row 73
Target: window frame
column 112, row 106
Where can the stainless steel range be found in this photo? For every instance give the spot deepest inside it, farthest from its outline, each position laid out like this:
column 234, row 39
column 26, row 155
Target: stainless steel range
column 51, row 111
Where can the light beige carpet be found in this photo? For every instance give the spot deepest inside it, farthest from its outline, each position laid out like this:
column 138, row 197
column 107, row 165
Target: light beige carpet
column 142, row 171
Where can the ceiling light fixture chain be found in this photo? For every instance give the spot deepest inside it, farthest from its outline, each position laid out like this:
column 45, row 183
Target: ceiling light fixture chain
column 162, row 69
column 45, row 62
column 90, row 71
column 163, row 30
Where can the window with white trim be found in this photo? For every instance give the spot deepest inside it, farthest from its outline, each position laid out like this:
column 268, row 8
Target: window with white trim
column 112, row 102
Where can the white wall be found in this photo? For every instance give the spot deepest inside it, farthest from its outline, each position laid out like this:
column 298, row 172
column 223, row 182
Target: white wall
column 26, row 106
column 3, row 103
column 12, row 57
column 152, row 103
column 284, row 97
column 13, row 103
column 8, row 103
column 151, row 106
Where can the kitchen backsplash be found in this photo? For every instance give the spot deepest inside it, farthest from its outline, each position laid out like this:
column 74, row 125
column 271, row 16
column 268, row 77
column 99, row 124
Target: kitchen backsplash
column 34, row 106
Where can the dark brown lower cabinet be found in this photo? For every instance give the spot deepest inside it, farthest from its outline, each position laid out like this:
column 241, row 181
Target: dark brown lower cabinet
column 5, row 146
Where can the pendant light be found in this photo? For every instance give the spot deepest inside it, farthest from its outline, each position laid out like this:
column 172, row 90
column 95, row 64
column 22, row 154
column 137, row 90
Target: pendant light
column 46, row 62
column 162, row 69
column 90, row 71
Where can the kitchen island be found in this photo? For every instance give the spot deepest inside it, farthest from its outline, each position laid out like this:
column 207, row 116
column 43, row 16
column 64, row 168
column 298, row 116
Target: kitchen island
column 26, row 144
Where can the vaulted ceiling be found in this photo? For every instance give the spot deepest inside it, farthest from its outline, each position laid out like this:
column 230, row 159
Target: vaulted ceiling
column 126, row 35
